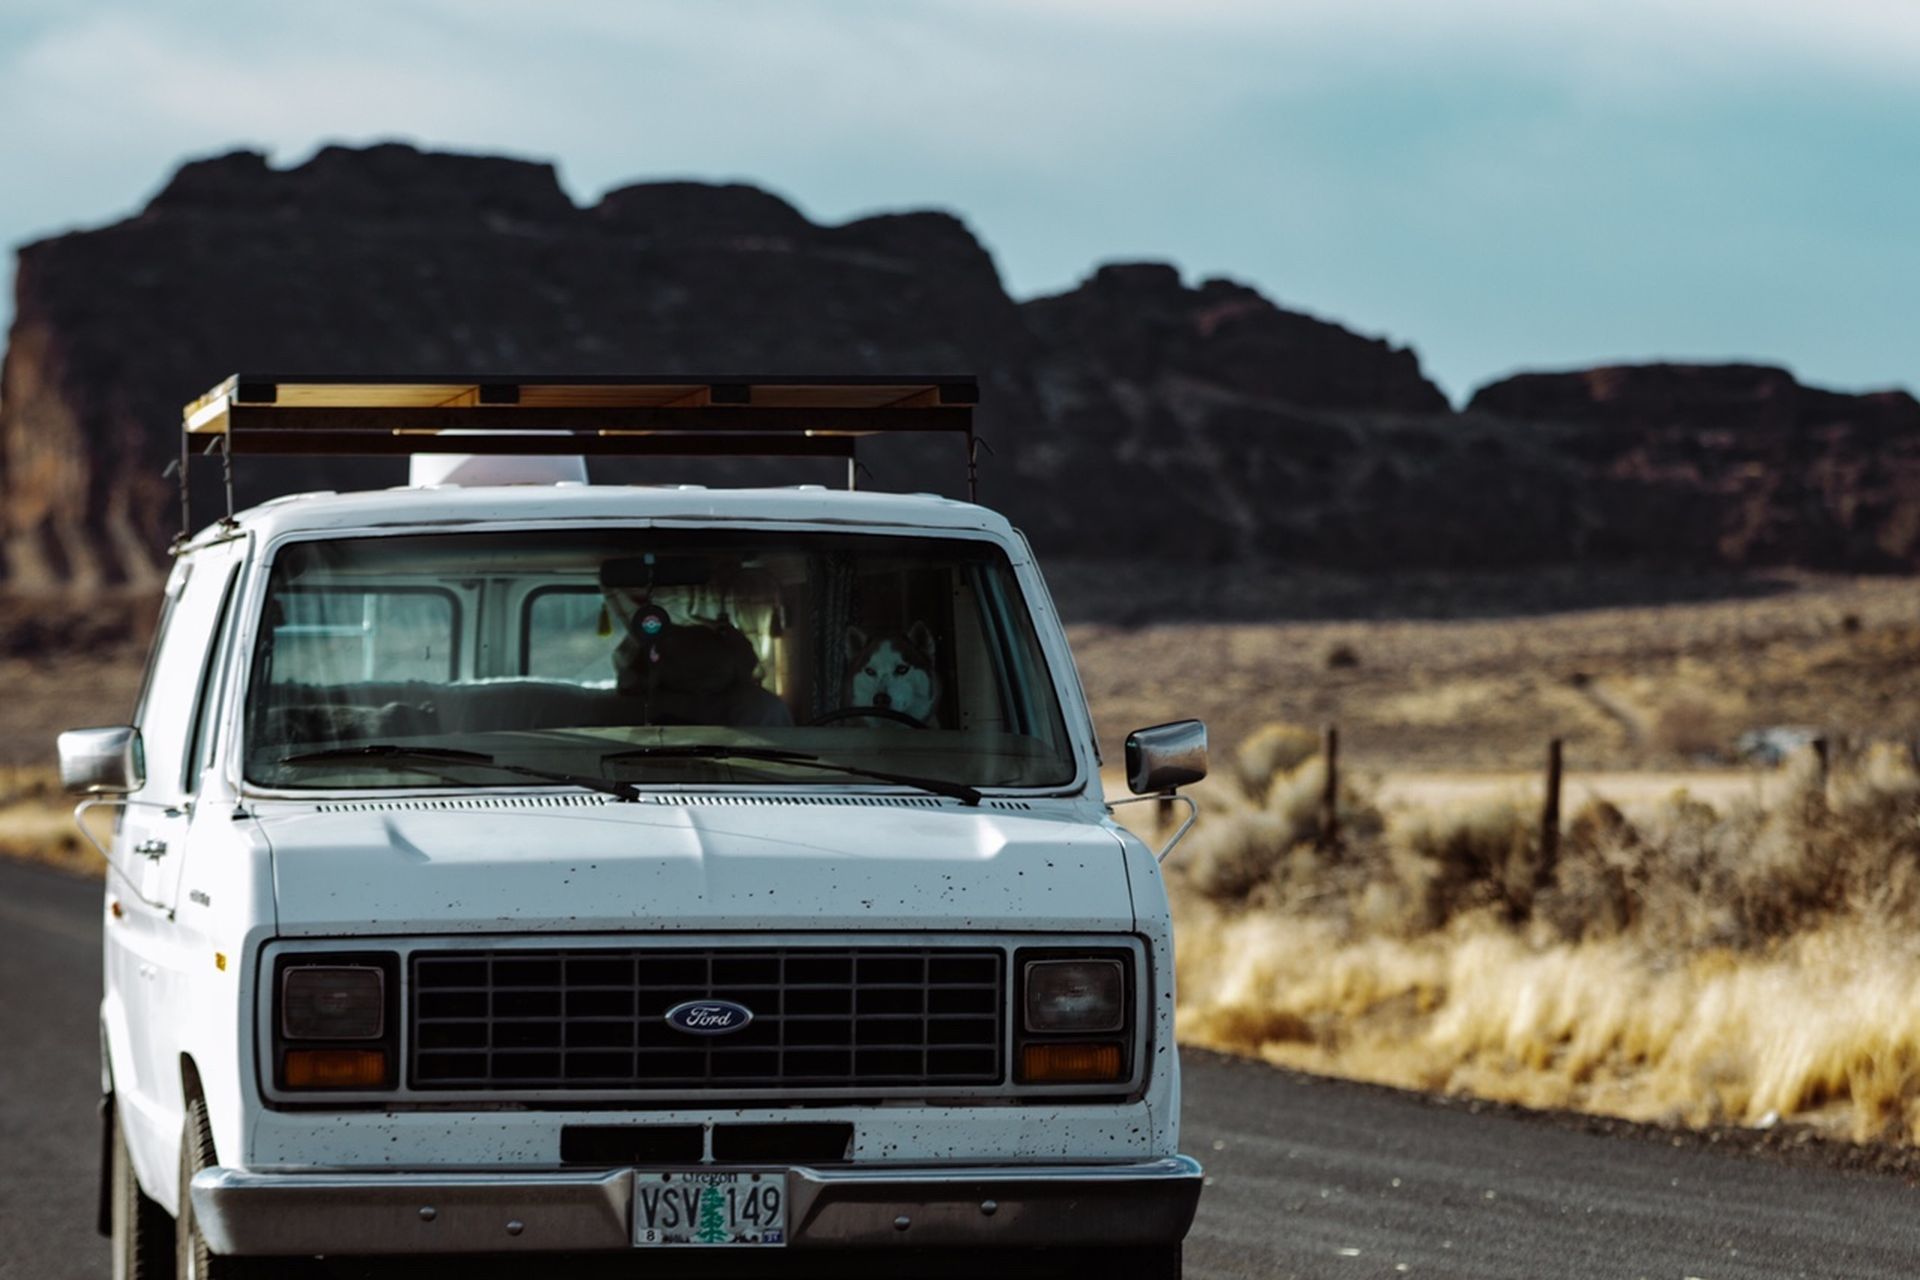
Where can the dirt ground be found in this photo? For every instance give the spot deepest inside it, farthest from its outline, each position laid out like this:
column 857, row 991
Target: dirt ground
column 1639, row 687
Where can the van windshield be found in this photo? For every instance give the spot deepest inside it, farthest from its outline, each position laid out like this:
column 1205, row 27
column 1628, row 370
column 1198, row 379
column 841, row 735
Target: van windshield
column 635, row 656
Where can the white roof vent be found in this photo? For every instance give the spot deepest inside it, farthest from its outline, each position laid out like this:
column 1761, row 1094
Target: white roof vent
column 479, row 469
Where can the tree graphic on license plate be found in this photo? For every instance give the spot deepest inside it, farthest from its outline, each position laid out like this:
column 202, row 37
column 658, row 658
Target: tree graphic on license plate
column 712, row 1227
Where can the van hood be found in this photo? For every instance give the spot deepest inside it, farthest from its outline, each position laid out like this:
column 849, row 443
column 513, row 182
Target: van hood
column 427, row 866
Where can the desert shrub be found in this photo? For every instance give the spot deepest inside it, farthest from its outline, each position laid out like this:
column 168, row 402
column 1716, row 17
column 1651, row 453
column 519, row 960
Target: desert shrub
column 1271, row 751
column 1296, row 795
column 1689, row 726
column 1599, row 883
column 1686, row 877
column 1233, row 853
column 1269, row 836
column 1465, row 857
column 1692, row 878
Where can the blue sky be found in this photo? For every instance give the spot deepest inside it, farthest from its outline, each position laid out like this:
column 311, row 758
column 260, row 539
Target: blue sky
column 1504, row 184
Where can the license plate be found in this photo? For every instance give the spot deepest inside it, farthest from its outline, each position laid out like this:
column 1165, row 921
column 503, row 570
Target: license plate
column 709, row 1209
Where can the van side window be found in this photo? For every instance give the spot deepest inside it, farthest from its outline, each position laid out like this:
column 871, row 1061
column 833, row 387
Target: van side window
column 180, row 665
column 160, row 630
column 199, row 752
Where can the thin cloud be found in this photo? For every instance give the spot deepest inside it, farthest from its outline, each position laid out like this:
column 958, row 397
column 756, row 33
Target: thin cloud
column 1881, row 35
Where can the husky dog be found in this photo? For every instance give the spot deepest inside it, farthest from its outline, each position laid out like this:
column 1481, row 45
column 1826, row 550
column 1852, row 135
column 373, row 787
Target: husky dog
column 894, row 672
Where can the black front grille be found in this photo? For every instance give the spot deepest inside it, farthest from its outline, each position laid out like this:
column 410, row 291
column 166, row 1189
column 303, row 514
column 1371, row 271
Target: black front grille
column 823, row 1018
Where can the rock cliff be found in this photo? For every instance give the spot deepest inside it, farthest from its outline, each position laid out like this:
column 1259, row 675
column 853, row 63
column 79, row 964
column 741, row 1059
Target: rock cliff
column 1737, row 464
column 1132, row 416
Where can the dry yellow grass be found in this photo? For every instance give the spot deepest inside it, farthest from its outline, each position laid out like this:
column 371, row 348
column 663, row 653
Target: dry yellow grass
column 1696, row 965
column 1823, row 1030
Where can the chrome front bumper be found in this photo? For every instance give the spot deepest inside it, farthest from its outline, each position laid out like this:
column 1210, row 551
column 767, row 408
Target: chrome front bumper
column 362, row 1213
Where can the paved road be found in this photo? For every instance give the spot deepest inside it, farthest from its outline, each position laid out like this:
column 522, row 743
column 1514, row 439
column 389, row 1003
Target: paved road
column 1310, row 1178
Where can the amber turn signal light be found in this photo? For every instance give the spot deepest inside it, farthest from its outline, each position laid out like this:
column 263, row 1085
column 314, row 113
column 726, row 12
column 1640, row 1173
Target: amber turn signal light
column 1053, row 1063
column 335, row 1068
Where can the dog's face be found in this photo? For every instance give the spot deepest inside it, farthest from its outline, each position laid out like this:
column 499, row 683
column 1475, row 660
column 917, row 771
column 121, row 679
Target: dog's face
column 894, row 671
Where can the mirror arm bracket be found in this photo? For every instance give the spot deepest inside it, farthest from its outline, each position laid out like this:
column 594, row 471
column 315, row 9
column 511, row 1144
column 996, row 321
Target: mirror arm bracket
column 79, row 820
column 80, row 812
column 1193, row 816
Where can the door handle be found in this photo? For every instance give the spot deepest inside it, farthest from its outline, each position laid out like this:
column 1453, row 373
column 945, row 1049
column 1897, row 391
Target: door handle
column 155, row 849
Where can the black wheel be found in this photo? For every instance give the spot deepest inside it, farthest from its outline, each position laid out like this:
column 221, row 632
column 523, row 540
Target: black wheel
column 192, row 1260
column 142, row 1232
column 868, row 713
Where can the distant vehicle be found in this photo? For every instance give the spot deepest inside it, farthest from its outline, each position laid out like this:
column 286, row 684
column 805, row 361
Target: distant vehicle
column 1774, row 743
column 562, row 869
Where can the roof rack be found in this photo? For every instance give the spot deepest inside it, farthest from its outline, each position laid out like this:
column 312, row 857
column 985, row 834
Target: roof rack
column 676, row 415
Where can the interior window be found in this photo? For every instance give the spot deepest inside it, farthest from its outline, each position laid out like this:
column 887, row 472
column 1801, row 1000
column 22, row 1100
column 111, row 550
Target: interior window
column 343, row 633
column 567, row 633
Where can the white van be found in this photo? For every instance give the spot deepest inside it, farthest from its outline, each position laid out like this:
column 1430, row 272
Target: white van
column 570, row 869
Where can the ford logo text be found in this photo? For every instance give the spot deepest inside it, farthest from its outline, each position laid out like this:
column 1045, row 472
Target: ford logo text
column 709, row 1017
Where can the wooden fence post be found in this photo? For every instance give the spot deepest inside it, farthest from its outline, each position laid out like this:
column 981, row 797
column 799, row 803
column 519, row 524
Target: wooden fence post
column 1550, row 820
column 1330, row 788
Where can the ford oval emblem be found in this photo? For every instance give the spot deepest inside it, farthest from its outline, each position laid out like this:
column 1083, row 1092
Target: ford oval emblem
column 709, row 1017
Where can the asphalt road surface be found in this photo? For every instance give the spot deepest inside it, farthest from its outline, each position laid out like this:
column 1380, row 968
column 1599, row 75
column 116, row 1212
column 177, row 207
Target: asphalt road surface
column 1308, row 1177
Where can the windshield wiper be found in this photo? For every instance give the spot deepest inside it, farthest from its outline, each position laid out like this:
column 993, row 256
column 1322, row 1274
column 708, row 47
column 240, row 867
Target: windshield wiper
column 704, row 751
column 399, row 754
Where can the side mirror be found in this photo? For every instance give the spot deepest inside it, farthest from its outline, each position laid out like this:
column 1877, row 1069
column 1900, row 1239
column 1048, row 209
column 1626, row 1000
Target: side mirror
column 1166, row 756
column 102, row 762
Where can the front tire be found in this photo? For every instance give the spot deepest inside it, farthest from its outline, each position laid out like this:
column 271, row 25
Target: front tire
column 192, row 1259
column 141, row 1231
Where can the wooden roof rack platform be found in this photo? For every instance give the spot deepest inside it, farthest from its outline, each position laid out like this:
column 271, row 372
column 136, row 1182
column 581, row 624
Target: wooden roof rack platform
column 631, row 416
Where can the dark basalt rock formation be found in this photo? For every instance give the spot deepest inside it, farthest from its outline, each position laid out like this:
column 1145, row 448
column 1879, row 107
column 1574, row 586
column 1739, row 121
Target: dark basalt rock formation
column 1738, row 464
column 1137, row 322
column 1132, row 416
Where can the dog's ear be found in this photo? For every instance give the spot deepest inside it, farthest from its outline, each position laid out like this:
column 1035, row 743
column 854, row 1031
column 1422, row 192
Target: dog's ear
column 922, row 637
column 856, row 643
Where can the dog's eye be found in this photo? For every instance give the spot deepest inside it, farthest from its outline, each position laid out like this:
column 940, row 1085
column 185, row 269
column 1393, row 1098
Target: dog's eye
column 900, row 670
column 872, row 672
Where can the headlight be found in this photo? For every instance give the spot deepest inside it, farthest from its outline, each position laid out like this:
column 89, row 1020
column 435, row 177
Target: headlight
column 330, row 1023
column 1075, row 995
column 330, row 1002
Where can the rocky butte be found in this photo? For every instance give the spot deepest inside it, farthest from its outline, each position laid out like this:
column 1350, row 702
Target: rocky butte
column 1134, row 416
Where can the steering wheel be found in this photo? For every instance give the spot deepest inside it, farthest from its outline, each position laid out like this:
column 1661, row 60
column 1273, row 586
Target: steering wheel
column 868, row 713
